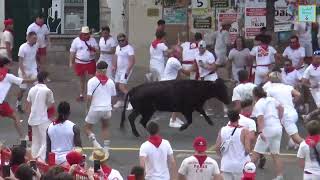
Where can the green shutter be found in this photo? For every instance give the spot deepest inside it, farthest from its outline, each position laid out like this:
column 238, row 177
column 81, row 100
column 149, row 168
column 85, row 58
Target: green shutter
column 93, row 14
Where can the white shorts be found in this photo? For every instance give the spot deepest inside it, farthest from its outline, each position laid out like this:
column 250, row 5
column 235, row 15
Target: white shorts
column 261, row 74
column 311, row 177
column 95, row 116
column 231, row 176
column 271, row 145
column 315, row 92
column 188, row 67
column 289, row 122
column 30, row 75
column 156, row 72
column 120, row 77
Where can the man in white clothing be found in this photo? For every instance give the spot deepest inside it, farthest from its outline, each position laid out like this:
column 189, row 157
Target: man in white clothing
column 122, row 67
column 290, row 75
column 42, row 31
column 295, row 53
column 40, row 97
column 6, row 39
column 107, row 45
column 206, row 63
column 233, row 145
column 303, row 31
column 156, row 156
column 199, row 166
column 27, row 65
column 83, row 52
column 158, row 51
column 100, row 91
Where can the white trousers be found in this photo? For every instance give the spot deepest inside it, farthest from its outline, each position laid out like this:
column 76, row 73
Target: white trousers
column 310, row 177
column 231, row 176
column 39, row 140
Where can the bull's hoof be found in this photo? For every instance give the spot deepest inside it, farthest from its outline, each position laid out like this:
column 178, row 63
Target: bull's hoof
column 135, row 133
column 183, row 127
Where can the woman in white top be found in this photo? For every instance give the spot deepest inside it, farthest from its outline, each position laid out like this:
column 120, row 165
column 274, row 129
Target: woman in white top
column 6, row 39
column 238, row 56
column 107, row 45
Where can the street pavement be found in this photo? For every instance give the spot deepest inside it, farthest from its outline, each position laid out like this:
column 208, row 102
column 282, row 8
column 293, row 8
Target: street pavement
column 124, row 153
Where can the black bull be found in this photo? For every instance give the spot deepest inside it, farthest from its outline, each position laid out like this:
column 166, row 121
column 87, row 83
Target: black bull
column 183, row 96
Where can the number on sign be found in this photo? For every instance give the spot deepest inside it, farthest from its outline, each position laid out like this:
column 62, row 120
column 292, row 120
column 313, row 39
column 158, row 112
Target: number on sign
column 199, row 3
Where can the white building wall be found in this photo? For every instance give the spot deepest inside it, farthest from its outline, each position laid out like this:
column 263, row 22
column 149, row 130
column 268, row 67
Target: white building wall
column 117, row 9
column 2, row 15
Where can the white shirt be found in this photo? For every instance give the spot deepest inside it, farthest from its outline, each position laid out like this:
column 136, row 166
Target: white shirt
column 312, row 74
column 267, row 107
column 295, row 55
column 239, row 58
column 106, row 45
column 206, row 58
column 157, row 54
column 41, row 31
column 222, row 39
column 156, row 164
column 263, row 57
column 189, row 51
column 292, row 78
column 40, row 97
column 191, row 169
column 282, row 93
column 172, row 68
column 247, row 123
column 5, row 37
column 123, row 54
column 243, row 92
column 304, row 31
column 6, row 83
column 28, row 54
column 62, row 139
column 101, row 94
column 115, row 175
column 311, row 165
column 83, row 55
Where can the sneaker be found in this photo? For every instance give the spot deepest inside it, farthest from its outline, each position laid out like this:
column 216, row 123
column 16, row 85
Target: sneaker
column 129, row 107
column 178, row 120
column 174, row 124
column 118, row 104
column 278, row 178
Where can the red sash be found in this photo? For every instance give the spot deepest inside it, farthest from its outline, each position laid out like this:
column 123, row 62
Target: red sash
column 155, row 140
column 3, row 73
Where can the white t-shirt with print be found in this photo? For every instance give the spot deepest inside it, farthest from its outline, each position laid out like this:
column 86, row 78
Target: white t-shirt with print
column 291, row 78
column 157, row 55
column 41, row 31
column 191, row 169
column 101, row 94
column 156, row 164
column 123, row 54
column 263, row 57
column 295, row 55
column 6, row 83
column 172, row 69
column 312, row 74
column 28, row 54
column 243, row 92
column 206, row 58
column 189, row 52
column 311, row 165
column 40, row 97
column 107, row 45
column 83, row 55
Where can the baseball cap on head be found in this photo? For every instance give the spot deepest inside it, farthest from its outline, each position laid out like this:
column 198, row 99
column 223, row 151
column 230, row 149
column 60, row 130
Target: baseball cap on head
column 202, row 44
column 249, row 170
column 74, row 157
column 200, row 144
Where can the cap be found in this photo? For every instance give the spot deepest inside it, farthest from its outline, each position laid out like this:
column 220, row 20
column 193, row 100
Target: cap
column 200, row 144
column 316, row 52
column 99, row 155
column 249, row 170
column 202, row 44
column 74, row 157
column 8, row 22
column 85, row 30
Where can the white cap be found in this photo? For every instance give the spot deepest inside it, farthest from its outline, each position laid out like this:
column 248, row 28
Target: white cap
column 85, row 29
column 202, row 44
column 250, row 167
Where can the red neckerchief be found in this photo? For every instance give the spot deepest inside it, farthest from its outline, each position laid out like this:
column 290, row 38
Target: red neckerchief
column 155, row 140
column 289, row 70
column 244, row 82
column 196, row 43
column 156, row 42
column 57, row 121
column 201, row 159
column 85, row 40
column 51, row 111
column 106, row 171
column 102, row 78
column 312, row 141
column 264, row 47
column 40, row 25
column 315, row 66
column 9, row 30
column 295, row 47
column 3, row 73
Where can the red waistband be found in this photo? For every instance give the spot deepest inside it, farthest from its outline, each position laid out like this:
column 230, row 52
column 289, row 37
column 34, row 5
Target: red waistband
column 84, row 60
column 263, row 65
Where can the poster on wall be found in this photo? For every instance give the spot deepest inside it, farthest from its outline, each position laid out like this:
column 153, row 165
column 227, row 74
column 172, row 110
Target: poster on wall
column 220, row 3
column 282, row 19
column 255, row 17
column 202, row 22
column 200, row 7
column 175, row 15
column 230, row 17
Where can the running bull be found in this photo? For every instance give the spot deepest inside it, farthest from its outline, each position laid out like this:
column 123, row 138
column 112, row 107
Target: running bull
column 183, row 96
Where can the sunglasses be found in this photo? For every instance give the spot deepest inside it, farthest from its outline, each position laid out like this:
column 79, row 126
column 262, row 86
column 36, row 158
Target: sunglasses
column 121, row 40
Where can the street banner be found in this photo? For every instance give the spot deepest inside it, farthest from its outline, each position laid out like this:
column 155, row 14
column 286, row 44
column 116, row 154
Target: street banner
column 231, row 17
column 255, row 17
column 282, row 19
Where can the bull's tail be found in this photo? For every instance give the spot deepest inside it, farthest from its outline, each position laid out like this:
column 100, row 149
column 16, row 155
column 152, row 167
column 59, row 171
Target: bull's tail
column 123, row 117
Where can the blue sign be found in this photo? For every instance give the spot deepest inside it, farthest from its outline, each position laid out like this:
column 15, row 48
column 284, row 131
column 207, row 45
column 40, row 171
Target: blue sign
column 307, row 13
